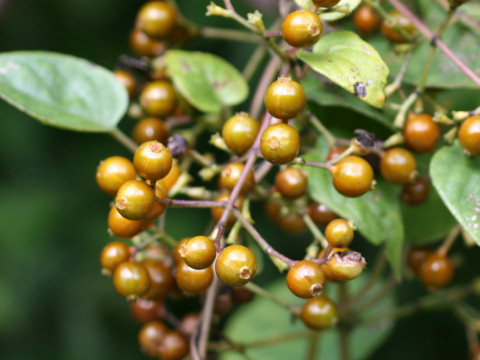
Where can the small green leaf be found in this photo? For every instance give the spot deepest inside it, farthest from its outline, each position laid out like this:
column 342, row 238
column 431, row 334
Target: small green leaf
column 376, row 214
column 457, row 180
column 332, row 95
column 347, row 5
column 207, row 81
column 427, row 222
column 62, row 91
column 352, row 63
column 262, row 319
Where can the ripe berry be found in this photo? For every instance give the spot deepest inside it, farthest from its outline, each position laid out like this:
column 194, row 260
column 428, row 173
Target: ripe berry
column 326, row 270
column 113, row 172
column 158, row 209
column 291, row 183
column 150, row 336
column 150, row 129
column 280, row 144
column 292, row 222
column 345, row 265
column 397, row 20
column 131, row 280
column 321, row 214
column 161, row 280
column 189, row 324
column 143, row 45
column 366, row 19
column 127, row 80
column 416, row 257
column 230, row 176
column 242, row 295
column 145, row 310
column 218, row 212
column 339, row 233
column 124, row 228
column 421, row 133
column 305, row 279
column 223, row 302
column 352, row 176
column 285, row 98
column 416, row 193
column 158, row 99
column 135, row 200
column 273, row 210
column 436, row 271
column 302, row 28
column 156, row 19
column 398, row 166
column 113, row 255
column 152, row 160
column 325, row 3
column 335, row 151
column 198, row 252
column 239, row 132
column 191, row 280
column 176, row 257
column 469, row 135
column 319, row 313
column 171, row 178
column 236, row 265
column 173, row 346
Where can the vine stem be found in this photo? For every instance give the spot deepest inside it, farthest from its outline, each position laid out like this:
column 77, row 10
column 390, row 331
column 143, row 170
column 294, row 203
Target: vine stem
column 266, row 79
column 206, row 319
column 236, row 190
column 343, row 329
column 431, row 36
column 317, row 234
column 123, row 139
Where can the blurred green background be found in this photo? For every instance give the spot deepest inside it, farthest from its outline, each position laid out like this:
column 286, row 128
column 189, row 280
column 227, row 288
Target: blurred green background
column 54, row 304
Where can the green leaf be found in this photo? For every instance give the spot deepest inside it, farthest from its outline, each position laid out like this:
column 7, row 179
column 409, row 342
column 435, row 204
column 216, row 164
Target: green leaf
column 376, row 214
column 331, row 95
column 62, row 91
column 332, row 15
column 427, row 222
column 457, row 179
column 207, row 81
column 458, row 37
column 262, row 319
column 352, row 63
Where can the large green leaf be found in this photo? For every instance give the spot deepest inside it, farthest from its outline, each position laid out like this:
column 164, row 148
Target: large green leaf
column 332, row 15
column 376, row 214
column 352, row 63
column 62, row 90
column 261, row 319
column 207, row 81
column 457, row 179
column 331, row 95
column 427, row 222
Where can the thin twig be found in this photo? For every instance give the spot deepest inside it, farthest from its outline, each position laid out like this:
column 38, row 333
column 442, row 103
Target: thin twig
column 431, row 36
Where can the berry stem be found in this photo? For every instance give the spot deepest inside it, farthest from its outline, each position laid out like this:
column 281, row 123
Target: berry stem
column 206, row 319
column 124, row 139
column 261, row 241
column 228, row 34
column 317, row 124
column 439, row 299
column 312, row 346
column 439, row 43
column 449, row 240
column 317, row 234
column 264, row 293
column 254, row 62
